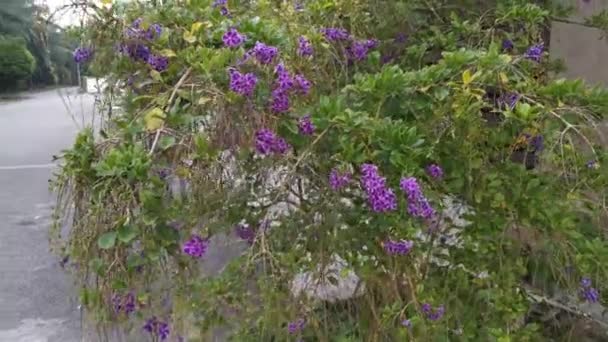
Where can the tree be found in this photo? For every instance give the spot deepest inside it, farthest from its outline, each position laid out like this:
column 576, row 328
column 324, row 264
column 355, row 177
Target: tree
column 16, row 62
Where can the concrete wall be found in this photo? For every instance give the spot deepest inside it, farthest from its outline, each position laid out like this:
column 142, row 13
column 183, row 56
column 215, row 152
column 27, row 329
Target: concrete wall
column 583, row 49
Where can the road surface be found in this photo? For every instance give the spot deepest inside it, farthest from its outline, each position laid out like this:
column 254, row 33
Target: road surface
column 37, row 299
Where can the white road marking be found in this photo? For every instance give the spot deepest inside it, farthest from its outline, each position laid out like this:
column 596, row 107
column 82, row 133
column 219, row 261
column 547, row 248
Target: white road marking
column 27, row 167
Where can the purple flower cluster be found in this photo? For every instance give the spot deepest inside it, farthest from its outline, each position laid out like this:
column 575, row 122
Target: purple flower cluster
column 588, row 292
column 195, row 247
column 244, row 232
column 135, row 31
column 535, row 52
column 232, row 38
column 304, row 47
column 358, row 50
column 82, row 55
column 124, row 303
column 158, row 63
column 380, row 197
column 263, row 53
column 401, row 247
column 305, row 126
column 507, row 45
column 141, row 52
column 223, row 5
column 537, row 143
column 434, row 171
column 243, row 84
column 266, row 142
column 335, row 34
column 593, row 164
column 433, row 314
column 284, row 84
column 418, row 205
column 338, row 180
column 508, row 100
column 296, row 326
column 406, row 323
column 303, row 85
column 157, row 328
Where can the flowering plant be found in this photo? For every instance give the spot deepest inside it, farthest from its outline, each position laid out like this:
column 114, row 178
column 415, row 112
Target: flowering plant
column 326, row 171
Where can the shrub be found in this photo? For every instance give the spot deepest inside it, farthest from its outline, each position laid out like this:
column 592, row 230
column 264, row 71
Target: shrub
column 417, row 156
column 16, row 62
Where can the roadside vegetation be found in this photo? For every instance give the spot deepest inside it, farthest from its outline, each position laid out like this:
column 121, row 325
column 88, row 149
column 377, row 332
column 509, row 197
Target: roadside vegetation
column 376, row 170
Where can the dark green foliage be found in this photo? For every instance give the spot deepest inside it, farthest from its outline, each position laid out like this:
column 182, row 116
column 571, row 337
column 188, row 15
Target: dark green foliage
column 16, row 62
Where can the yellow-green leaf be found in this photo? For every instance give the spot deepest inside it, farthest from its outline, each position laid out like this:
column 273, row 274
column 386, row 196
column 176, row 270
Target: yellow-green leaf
column 106, row 2
column 467, row 78
column 203, row 100
column 168, row 53
column 195, row 27
column 156, row 75
column 503, row 77
column 189, row 37
column 154, row 119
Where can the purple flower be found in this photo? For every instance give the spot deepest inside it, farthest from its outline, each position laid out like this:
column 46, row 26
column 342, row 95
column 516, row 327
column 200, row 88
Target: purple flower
column 593, row 164
column 338, row 180
column 296, row 326
column 157, row 328
column 507, row 44
column 245, row 232
column 129, row 303
column 280, row 146
column 117, row 302
column 537, row 143
column 535, row 52
column 406, row 323
column 401, row 247
column 154, row 31
column 136, row 51
column 165, row 172
column 218, row 3
column 82, row 55
column 357, row 51
column 588, row 292
column 280, row 101
column 433, row 314
column 224, row 11
column 305, row 126
column 137, row 23
column 243, row 84
column 232, row 38
column 264, row 141
column 196, row 246
column 158, row 63
column 380, row 198
column 284, row 80
column 434, row 171
column 303, row 85
column 417, row 204
column 508, row 100
column 304, row 47
column 401, row 38
column 264, row 54
column 334, row 34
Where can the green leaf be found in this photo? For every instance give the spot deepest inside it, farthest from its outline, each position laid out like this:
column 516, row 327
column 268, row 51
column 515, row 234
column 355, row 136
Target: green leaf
column 154, row 119
column 166, row 142
column 126, row 234
column 107, row 240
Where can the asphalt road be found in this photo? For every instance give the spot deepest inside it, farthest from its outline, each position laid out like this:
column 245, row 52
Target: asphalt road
column 37, row 299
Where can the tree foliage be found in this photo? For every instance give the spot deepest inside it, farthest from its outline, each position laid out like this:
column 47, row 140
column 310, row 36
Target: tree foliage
column 47, row 42
column 420, row 145
column 16, row 62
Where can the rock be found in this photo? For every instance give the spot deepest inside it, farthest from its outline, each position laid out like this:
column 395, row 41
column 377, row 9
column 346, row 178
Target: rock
column 336, row 281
